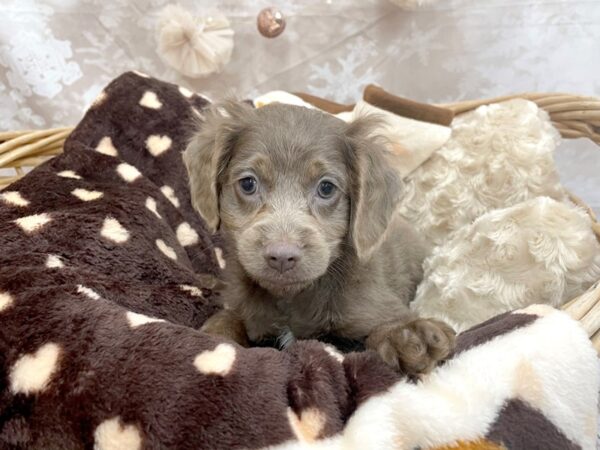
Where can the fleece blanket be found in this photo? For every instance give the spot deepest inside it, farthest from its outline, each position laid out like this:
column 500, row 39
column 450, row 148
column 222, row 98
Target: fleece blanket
column 106, row 274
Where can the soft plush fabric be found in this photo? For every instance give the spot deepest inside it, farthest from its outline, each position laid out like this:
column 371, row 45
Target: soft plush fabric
column 499, row 155
column 538, row 251
column 504, row 233
column 106, row 273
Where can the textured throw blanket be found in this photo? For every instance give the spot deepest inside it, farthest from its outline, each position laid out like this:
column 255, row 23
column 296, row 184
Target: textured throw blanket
column 106, row 273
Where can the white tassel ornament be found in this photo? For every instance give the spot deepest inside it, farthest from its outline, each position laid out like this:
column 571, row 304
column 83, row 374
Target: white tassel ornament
column 194, row 46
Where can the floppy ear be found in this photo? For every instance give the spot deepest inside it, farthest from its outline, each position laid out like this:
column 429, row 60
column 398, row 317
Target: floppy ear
column 376, row 186
column 209, row 152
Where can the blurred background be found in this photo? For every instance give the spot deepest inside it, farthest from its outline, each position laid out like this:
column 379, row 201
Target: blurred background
column 56, row 55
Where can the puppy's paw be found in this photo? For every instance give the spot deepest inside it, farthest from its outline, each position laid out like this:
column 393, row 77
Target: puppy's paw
column 416, row 347
column 227, row 324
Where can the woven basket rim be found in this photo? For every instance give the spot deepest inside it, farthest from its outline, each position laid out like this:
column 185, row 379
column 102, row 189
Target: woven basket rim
column 574, row 116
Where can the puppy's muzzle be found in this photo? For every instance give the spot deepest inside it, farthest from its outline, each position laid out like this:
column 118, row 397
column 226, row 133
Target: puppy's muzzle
column 282, row 256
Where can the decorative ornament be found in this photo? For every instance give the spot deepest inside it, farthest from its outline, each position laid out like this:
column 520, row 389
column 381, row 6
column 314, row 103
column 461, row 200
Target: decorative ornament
column 194, row 46
column 270, row 22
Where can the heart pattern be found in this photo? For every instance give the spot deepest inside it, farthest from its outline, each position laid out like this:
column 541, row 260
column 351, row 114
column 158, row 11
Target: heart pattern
column 150, row 100
column 216, row 362
column 157, row 145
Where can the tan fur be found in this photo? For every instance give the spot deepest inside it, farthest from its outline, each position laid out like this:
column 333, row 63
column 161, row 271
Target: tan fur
column 227, row 324
column 360, row 262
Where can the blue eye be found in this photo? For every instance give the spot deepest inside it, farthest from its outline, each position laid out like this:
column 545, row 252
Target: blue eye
column 248, row 185
column 326, row 189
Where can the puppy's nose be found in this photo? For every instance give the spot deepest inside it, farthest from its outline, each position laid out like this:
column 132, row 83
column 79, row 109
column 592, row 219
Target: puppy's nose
column 282, row 256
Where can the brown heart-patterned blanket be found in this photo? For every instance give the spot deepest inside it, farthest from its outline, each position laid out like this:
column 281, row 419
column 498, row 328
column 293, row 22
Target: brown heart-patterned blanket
column 106, row 274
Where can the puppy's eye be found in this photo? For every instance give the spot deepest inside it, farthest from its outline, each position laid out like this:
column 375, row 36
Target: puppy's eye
column 326, row 189
column 248, row 185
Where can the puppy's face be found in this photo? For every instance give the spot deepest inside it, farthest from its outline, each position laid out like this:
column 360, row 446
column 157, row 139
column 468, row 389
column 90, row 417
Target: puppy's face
column 284, row 199
column 289, row 186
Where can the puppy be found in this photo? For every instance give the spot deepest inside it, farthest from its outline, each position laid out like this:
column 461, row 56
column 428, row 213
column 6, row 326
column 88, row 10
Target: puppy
column 308, row 204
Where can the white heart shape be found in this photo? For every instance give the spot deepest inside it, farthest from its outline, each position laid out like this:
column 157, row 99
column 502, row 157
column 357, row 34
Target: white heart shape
column 114, row 231
column 128, row 172
column 166, row 250
column 85, row 195
column 150, row 100
column 157, row 145
column 216, row 362
column 14, row 198
column 113, row 434
column 32, row 372
column 106, row 147
column 33, row 223
column 186, row 235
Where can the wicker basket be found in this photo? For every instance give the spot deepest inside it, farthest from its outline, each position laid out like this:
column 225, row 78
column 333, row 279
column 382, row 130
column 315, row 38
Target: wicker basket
column 574, row 116
column 21, row 150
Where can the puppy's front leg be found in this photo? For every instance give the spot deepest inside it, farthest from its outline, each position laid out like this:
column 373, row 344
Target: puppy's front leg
column 228, row 324
column 413, row 346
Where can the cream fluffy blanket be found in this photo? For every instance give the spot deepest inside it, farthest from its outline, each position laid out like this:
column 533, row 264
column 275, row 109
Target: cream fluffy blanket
column 504, row 231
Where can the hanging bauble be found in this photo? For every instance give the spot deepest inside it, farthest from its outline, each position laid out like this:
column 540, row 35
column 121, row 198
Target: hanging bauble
column 270, row 22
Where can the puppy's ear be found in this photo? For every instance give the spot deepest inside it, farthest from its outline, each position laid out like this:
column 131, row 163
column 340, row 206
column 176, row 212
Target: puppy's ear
column 209, row 152
column 376, row 186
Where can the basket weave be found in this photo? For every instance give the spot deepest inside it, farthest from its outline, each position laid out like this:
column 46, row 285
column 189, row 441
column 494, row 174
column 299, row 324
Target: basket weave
column 20, row 150
column 574, row 116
